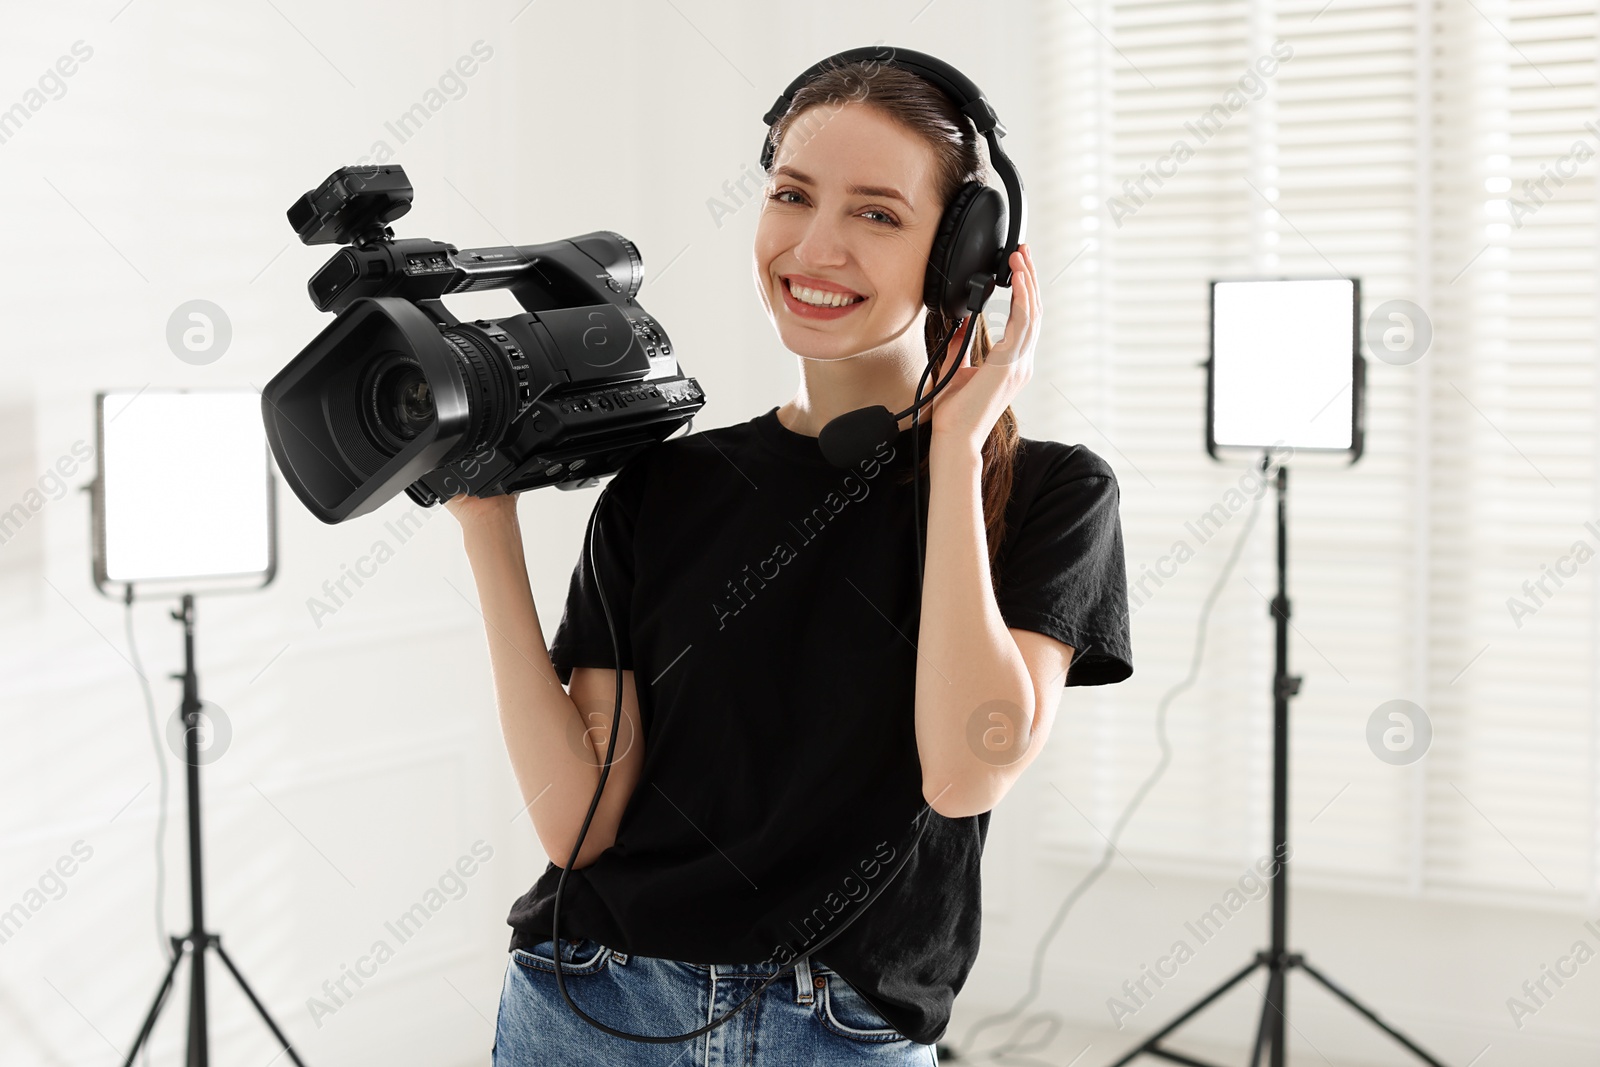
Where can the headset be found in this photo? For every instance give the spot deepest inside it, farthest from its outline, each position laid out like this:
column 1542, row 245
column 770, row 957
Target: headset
column 971, row 253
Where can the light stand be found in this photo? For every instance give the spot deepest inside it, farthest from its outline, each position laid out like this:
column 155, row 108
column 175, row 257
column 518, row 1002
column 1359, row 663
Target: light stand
column 154, row 532
column 1277, row 959
column 198, row 940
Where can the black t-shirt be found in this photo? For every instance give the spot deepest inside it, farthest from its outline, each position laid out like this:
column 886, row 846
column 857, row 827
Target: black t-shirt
column 768, row 604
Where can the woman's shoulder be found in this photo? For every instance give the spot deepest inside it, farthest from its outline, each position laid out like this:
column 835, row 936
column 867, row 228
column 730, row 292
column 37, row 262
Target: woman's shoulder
column 1055, row 462
column 1054, row 485
column 699, row 446
column 682, row 454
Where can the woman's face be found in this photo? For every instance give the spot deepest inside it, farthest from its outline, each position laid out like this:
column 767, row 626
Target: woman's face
column 844, row 235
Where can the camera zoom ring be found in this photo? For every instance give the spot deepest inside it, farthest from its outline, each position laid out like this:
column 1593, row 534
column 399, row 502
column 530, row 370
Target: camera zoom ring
column 487, row 389
column 472, row 382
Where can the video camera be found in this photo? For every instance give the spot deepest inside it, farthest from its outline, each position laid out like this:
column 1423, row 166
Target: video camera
column 398, row 393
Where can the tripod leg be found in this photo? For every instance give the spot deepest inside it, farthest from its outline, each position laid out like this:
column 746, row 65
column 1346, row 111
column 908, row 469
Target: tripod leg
column 1267, row 1033
column 155, row 1008
column 1277, row 998
column 1261, row 1034
column 1194, row 1010
column 284, row 1041
column 1379, row 1023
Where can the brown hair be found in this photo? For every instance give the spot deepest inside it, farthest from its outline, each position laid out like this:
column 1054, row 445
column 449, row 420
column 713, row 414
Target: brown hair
column 927, row 111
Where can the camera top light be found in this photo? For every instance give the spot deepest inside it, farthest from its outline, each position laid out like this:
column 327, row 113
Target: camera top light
column 354, row 205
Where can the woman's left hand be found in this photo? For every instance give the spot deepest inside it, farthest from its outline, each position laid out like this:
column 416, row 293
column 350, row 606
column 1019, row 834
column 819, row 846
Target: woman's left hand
column 968, row 408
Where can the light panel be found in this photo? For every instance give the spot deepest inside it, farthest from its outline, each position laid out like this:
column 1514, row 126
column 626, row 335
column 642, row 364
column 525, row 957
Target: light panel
column 1283, row 363
column 185, row 487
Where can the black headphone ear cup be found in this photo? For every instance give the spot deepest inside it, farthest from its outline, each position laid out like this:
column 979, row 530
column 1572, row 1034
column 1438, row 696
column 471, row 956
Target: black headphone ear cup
column 970, row 237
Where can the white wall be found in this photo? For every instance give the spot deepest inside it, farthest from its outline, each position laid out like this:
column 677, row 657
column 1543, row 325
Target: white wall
column 366, row 757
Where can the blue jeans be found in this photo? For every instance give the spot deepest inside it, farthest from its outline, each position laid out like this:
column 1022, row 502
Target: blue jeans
column 808, row 1016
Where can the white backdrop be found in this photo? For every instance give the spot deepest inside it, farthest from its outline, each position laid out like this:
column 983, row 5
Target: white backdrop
column 365, row 758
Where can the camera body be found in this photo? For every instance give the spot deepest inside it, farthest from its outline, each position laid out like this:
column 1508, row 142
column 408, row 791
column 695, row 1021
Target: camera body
column 397, row 393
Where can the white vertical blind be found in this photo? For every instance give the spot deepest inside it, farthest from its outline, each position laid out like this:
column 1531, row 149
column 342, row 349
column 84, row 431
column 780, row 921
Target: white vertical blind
column 1437, row 150
column 1514, row 479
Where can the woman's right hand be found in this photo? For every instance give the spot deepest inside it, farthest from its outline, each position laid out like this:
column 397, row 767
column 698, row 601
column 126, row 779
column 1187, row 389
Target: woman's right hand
column 471, row 510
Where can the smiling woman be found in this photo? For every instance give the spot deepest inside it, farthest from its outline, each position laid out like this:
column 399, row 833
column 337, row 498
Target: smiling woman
column 825, row 711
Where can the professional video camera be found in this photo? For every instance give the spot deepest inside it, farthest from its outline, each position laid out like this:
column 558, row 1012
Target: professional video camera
column 398, row 393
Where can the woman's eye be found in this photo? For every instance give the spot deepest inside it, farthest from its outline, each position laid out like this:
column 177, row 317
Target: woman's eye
column 781, row 195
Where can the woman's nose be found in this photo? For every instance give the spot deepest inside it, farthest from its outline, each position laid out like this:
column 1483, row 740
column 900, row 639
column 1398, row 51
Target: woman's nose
column 821, row 245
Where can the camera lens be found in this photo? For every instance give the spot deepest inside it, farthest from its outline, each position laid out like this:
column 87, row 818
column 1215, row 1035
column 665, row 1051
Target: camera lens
column 399, row 402
column 405, row 404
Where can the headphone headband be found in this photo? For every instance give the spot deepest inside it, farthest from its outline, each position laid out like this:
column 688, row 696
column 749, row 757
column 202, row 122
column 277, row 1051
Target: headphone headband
column 966, row 96
column 951, row 81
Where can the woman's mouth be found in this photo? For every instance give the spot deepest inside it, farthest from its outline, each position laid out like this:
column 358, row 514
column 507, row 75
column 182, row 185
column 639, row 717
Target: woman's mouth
column 814, row 303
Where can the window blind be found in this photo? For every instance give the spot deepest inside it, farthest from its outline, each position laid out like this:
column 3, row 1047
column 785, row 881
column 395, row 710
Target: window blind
column 1435, row 151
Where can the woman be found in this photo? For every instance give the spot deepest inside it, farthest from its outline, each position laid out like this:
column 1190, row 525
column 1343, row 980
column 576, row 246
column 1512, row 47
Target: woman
column 806, row 707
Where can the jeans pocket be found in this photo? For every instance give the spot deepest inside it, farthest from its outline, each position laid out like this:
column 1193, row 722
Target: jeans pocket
column 849, row 1014
column 578, row 957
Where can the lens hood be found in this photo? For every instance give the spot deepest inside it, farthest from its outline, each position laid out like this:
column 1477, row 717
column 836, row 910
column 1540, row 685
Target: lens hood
column 314, row 419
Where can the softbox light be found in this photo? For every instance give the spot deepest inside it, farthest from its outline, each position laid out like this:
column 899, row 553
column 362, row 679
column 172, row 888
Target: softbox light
column 184, row 496
column 1285, row 367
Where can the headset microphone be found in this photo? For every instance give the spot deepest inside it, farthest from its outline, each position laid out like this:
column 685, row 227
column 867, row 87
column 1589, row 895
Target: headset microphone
column 855, row 436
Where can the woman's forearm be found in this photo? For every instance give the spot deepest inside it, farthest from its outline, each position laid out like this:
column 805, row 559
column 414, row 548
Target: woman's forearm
column 546, row 739
column 974, row 696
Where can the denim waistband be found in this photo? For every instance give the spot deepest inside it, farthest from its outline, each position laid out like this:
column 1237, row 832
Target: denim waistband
column 756, row 970
column 575, row 948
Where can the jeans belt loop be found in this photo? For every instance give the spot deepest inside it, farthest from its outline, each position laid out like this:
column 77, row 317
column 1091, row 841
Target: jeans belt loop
column 804, row 990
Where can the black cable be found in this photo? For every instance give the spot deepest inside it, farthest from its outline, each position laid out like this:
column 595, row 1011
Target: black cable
column 616, row 723
column 1036, row 970
column 161, row 764
column 917, row 404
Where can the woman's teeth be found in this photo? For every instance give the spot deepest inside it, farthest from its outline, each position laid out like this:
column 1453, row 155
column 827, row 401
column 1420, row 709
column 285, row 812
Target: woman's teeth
column 821, row 298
